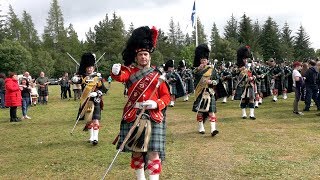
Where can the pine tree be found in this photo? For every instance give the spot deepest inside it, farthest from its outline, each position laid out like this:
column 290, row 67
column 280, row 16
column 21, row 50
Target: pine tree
column 230, row 30
column 2, row 25
column 202, row 37
column 286, row 40
column 255, row 46
column 172, row 33
column 54, row 32
column 29, row 35
column 90, row 40
column 215, row 39
column 302, row 45
column 245, row 31
column 270, row 42
column 180, row 36
column 13, row 25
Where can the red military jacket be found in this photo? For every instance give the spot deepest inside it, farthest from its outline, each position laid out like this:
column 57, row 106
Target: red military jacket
column 140, row 91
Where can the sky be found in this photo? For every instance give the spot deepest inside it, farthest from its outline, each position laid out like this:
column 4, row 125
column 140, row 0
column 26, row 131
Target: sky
column 84, row 14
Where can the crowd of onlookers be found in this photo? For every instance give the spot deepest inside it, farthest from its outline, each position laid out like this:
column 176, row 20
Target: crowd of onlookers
column 24, row 91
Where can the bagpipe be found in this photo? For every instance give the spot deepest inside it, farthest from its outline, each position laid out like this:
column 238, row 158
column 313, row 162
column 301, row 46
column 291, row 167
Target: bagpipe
column 91, row 81
column 202, row 86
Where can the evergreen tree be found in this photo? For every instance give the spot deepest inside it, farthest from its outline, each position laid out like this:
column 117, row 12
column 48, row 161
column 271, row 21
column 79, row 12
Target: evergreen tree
column 286, row 40
column 225, row 52
column 187, row 40
column 90, row 40
column 202, row 37
column 302, row 45
column 270, row 42
column 131, row 28
column 180, row 36
column 245, row 31
column 2, row 25
column 255, row 46
column 54, row 32
column 215, row 39
column 230, row 30
column 13, row 25
column 29, row 35
column 172, row 33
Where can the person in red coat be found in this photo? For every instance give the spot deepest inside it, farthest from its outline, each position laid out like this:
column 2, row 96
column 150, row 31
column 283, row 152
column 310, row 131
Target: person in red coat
column 13, row 96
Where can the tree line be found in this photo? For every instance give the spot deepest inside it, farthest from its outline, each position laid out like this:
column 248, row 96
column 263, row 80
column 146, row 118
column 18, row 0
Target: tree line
column 23, row 49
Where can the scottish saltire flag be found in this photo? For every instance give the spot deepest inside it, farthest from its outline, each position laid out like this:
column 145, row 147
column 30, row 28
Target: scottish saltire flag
column 193, row 13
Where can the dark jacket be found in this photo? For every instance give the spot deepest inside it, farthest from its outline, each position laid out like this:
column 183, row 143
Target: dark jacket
column 311, row 77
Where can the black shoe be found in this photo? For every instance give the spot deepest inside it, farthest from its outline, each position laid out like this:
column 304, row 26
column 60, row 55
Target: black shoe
column 215, row 132
column 201, row 132
column 244, row 117
column 298, row 113
column 306, row 109
column 94, row 142
column 252, row 117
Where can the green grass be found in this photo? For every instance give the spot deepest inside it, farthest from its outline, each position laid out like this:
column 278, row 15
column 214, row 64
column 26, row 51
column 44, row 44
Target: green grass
column 277, row 145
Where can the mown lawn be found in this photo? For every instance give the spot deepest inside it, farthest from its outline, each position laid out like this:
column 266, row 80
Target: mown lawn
column 277, row 145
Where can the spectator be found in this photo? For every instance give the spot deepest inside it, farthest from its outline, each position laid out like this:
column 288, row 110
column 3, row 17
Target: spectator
column 25, row 93
column 2, row 90
column 42, row 83
column 13, row 96
column 76, row 86
column 297, row 86
column 63, row 82
column 34, row 94
column 311, row 76
column 27, row 76
column 109, row 81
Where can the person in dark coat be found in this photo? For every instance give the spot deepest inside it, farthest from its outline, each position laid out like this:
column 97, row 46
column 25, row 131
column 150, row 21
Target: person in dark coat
column 311, row 76
column 13, row 96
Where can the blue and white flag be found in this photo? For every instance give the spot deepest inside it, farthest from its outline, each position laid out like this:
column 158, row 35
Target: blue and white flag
column 193, row 13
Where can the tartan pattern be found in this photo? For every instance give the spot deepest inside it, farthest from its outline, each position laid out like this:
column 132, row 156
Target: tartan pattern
column 137, row 162
column 154, row 167
column 43, row 92
column 212, row 107
column 137, row 76
column 157, row 139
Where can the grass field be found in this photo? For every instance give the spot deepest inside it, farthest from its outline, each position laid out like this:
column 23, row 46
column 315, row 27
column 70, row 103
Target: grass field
column 277, row 145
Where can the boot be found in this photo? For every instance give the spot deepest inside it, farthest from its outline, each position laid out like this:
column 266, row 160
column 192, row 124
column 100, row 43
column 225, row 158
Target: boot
column 201, row 127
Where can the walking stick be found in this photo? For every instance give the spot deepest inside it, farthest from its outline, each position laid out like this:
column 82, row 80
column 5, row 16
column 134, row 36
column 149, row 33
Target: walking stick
column 160, row 80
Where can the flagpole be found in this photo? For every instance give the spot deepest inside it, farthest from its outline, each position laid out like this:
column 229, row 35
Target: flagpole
column 196, row 24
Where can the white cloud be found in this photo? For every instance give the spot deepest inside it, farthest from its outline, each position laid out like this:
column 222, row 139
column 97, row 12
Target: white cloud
column 84, row 14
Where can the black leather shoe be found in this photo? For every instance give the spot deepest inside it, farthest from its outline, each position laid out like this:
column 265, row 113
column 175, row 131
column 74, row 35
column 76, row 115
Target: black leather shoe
column 244, row 117
column 94, row 142
column 201, row 132
column 252, row 117
column 215, row 132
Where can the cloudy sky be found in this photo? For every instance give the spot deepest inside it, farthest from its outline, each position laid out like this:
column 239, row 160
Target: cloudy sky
column 87, row 13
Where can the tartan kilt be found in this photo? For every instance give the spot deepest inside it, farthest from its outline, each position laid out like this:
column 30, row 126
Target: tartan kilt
column 238, row 93
column 261, row 86
column 157, row 139
column 43, row 92
column 173, row 89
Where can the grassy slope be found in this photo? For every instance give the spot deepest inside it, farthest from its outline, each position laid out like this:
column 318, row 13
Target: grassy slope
column 278, row 145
